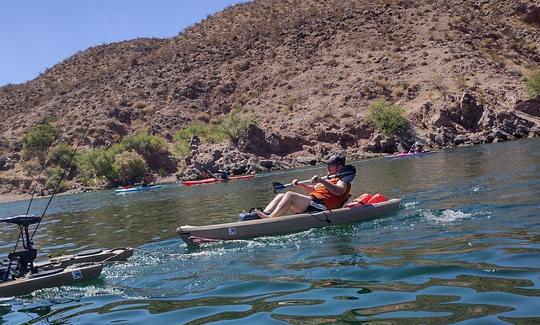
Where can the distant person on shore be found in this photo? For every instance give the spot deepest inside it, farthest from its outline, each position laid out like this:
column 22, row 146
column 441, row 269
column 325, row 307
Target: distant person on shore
column 323, row 194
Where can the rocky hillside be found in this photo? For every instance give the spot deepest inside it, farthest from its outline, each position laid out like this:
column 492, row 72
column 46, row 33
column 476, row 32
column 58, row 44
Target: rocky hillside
column 307, row 71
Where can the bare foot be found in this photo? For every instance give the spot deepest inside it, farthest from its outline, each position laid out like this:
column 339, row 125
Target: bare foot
column 262, row 215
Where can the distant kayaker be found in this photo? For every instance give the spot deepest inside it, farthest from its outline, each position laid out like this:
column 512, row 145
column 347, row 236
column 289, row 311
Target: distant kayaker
column 416, row 148
column 148, row 179
column 323, row 194
column 223, row 174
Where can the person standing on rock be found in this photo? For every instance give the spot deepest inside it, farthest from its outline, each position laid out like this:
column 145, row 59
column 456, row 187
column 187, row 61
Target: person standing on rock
column 323, row 194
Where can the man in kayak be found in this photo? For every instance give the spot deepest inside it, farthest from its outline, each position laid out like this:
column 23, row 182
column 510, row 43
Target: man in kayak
column 323, row 194
column 148, row 179
column 416, row 148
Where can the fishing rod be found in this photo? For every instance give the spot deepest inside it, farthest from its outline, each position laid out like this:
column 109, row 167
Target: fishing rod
column 64, row 173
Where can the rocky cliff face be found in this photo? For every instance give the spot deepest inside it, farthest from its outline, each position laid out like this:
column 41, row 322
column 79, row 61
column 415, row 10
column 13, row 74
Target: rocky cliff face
column 307, row 71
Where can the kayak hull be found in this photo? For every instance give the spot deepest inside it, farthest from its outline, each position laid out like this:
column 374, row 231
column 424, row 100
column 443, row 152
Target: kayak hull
column 137, row 189
column 49, row 279
column 408, row 155
column 285, row 224
column 216, row 180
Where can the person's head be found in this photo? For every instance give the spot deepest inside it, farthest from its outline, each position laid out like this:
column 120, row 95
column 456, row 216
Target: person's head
column 334, row 164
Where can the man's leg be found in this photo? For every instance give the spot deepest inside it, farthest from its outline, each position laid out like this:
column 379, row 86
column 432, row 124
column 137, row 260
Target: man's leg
column 290, row 200
column 273, row 204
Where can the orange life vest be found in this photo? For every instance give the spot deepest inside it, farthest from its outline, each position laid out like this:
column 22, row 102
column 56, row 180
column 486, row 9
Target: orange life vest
column 329, row 199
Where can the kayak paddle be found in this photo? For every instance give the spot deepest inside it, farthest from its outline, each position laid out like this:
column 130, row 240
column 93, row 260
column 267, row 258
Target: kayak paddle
column 347, row 170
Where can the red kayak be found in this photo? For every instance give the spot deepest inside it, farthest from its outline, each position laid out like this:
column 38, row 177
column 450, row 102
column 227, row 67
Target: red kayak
column 215, row 180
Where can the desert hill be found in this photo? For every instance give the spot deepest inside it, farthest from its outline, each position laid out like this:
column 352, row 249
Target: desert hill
column 306, row 71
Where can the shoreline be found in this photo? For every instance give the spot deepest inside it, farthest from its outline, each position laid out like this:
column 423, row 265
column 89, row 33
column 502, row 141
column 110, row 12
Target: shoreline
column 5, row 198
column 9, row 197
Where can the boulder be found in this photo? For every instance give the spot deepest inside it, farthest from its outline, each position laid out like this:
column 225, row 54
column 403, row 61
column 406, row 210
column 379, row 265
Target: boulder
column 307, row 160
column 461, row 139
column 531, row 106
column 470, row 112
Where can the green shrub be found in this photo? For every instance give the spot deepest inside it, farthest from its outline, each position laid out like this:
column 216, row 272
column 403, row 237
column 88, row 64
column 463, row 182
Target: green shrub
column 130, row 165
column 533, row 83
column 144, row 144
column 38, row 140
column 61, row 155
column 205, row 132
column 233, row 126
column 229, row 128
column 386, row 117
column 95, row 163
column 53, row 180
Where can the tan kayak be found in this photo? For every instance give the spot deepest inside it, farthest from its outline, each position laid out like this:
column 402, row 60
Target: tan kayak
column 90, row 256
column 50, row 278
column 59, row 271
column 194, row 235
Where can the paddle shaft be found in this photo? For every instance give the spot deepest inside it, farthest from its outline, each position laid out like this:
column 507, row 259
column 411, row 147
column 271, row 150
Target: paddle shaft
column 309, row 180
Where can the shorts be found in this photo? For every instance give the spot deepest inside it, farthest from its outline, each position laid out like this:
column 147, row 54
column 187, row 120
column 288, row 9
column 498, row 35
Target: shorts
column 316, row 205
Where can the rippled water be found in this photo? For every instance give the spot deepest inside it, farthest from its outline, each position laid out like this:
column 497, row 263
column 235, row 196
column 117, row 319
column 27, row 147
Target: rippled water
column 465, row 247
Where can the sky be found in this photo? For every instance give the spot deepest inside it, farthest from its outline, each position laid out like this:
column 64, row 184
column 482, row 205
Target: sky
column 37, row 34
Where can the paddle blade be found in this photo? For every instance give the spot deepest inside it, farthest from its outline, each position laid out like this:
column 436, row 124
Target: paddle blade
column 347, row 173
column 278, row 187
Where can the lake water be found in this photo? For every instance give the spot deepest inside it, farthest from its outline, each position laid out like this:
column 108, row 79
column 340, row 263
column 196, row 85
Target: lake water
column 464, row 248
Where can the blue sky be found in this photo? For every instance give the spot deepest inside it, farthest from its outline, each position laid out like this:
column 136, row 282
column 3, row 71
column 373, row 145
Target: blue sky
column 37, row 34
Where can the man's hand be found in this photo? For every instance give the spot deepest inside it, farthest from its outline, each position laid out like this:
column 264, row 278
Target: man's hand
column 315, row 179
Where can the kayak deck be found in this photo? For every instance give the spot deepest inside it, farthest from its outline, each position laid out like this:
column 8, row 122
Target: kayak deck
column 193, row 235
column 215, row 180
column 90, row 256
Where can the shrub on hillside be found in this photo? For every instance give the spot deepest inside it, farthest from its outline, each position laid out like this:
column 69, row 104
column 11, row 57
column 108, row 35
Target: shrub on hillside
column 229, row 128
column 55, row 181
column 61, row 155
column 204, row 131
column 97, row 163
column 130, row 166
column 38, row 140
column 533, row 83
column 234, row 125
column 386, row 117
column 145, row 144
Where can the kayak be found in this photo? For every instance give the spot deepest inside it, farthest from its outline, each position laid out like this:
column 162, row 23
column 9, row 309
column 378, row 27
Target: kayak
column 50, row 278
column 193, row 235
column 408, row 155
column 137, row 189
column 89, row 256
column 59, row 271
column 215, row 180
